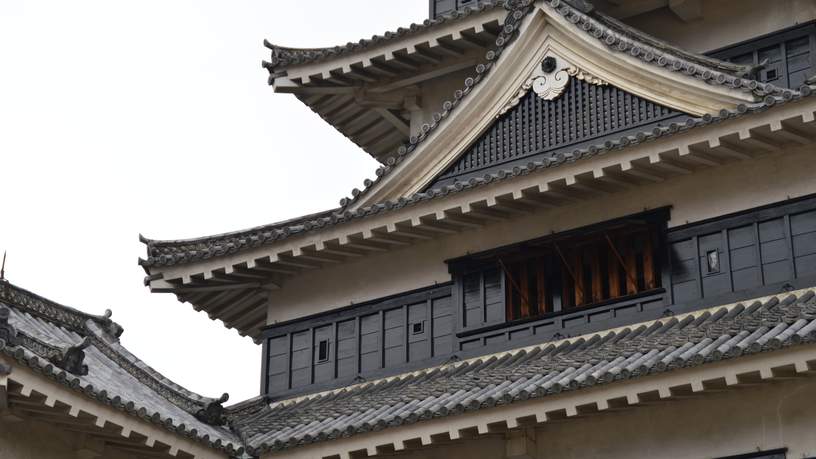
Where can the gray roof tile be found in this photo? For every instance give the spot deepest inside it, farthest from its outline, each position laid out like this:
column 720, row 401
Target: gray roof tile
column 40, row 330
column 617, row 37
column 547, row 369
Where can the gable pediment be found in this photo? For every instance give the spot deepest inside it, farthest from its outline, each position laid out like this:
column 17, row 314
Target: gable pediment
column 587, row 53
column 557, row 113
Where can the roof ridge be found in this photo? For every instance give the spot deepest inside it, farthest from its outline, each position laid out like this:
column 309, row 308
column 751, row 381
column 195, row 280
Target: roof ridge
column 104, row 334
column 59, row 314
column 283, row 56
column 168, row 253
column 624, row 39
column 767, row 324
column 165, row 253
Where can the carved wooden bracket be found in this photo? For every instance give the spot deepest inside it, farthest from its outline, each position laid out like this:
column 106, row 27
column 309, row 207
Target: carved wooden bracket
column 550, row 80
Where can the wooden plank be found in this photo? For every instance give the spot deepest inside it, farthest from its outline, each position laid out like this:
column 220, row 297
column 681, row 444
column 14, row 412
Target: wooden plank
column 541, row 284
column 614, row 274
column 578, row 278
column 630, row 260
column 524, row 289
column 597, row 280
column 648, row 262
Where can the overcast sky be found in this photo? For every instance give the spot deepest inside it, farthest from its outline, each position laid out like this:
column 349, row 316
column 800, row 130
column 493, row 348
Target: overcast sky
column 154, row 116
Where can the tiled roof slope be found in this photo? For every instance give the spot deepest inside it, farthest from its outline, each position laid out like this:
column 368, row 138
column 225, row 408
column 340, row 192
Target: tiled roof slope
column 569, row 365
column 82, row 352
column 174, row 252
column 282, row 57
column 618, row 37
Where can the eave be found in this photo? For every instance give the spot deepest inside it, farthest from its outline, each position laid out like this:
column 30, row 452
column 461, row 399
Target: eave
column 602, row 48
column 713, row 350
column 367, row 90
column 28, row 396
column 232, row 285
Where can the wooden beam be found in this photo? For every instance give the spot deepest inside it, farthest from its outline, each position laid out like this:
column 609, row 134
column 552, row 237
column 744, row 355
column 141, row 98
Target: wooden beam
column 791, row 134
column 395, row 120
column 728, row 149
column 213, row 288
column 687, row 10
column 318, row 90
column 640, row 172
column 474, row 39
column 424, row 76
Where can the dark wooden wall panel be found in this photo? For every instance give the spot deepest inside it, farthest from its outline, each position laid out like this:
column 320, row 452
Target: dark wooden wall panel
column 758, row 252
column 278, row 363
column 803, row 231
column 347, row 348
column 538, row 127
column 394, row 337
column 370, row 345
column 360, row 341
column 323, row 370
column 443, row 326
column 744, row 257
column 493, row 297
column 419, row 342
column 301, row 358
column 789, row 55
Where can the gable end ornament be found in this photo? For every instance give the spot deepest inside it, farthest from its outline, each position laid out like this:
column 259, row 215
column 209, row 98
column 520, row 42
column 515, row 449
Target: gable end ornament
column 550, row 80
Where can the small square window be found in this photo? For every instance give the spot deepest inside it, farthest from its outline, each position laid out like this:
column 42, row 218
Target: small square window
column 323, row 351
column 418, row 328
column 713, row 261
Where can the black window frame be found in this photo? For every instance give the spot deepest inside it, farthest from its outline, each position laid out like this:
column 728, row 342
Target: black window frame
column 778, row 38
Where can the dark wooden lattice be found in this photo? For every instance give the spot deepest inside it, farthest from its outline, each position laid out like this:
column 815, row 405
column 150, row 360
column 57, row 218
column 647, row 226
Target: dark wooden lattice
column 585, row 112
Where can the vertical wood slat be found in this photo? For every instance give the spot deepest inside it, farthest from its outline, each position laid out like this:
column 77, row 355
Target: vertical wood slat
column 727, row 258
column 312, row 356
column 789, row 243
column 541, row 285
column 482, row 297
column 381, row 334
column 758, row 252
column 648, row 263
column 614, row 273
column 697, row 266
column 358, row 335
column 630, row 259
column 407, row 333
column 334, row 346
column 289, row 341
column 508, row 297
column 430, row 329
column 597, row 281
column 578, row 271
column 524, row 294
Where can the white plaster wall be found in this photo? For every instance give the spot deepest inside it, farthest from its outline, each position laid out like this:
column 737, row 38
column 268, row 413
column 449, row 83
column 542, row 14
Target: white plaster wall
column 714, row 425
column 36, row 440
column 709, row 193
column 725, row 22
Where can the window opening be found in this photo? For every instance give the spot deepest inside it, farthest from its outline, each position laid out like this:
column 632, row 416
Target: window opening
column 713, row 261
column 581, row 270
column 323, row 351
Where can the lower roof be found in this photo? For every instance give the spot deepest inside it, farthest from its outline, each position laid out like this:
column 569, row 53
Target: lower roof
column 672, row 343
column 82, row 352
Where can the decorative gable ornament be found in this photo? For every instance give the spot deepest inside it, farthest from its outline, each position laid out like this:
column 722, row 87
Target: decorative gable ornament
column 550, row 79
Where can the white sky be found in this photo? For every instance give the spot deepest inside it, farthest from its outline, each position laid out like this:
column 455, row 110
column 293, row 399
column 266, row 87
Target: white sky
column 154, row 116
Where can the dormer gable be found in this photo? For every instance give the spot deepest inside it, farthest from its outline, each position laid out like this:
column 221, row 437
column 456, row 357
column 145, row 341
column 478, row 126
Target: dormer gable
column 589, row 48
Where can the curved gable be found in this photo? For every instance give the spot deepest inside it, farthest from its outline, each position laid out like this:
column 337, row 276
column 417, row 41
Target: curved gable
column 535, row 128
